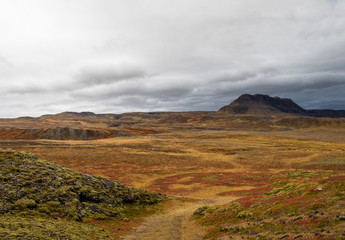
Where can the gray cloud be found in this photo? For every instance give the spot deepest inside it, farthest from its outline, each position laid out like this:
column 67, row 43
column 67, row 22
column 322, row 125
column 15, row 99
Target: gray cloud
column 140, row 55
column 107, row 74
column 147, row 88
column 333, row 2
column 26, row 89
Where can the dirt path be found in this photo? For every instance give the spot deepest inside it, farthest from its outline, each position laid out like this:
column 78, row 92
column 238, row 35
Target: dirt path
column 175, row 224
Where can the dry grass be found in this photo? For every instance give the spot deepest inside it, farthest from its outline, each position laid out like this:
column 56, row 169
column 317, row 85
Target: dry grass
column 152, row 161
column 210, row 165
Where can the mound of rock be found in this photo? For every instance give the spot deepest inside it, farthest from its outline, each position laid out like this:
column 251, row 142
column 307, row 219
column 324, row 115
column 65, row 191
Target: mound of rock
column 30, row 183
column 37, row 189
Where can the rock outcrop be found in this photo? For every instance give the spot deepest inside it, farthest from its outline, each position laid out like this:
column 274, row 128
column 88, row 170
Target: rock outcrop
column 61, row 133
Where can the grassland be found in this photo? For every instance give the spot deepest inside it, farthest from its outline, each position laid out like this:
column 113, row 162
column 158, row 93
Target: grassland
column 257, row 166
column 301, row 205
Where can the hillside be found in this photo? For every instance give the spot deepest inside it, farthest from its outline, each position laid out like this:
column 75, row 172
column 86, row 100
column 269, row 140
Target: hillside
column 60, row 203
column 299, row 205
column 61, row 133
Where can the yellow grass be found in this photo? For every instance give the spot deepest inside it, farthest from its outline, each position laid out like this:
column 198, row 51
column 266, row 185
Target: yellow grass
column 139, row 161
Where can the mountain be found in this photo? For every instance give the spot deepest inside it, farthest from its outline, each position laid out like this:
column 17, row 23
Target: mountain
column 260, row 104
column 328, row 113
column 247, row 112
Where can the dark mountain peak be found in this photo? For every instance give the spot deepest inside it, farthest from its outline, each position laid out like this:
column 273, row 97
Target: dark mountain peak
column 263, row 104
column 258, row 98
column 262, row 98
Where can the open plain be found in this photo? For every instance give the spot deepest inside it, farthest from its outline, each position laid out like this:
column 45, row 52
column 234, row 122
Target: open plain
column 197, row 165
column 278, row 175
column 172, row 120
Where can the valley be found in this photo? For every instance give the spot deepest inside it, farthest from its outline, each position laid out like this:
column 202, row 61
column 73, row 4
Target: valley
column 226, row 176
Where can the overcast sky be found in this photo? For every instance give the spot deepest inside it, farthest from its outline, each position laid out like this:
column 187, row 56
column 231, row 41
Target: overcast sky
column 157, row 55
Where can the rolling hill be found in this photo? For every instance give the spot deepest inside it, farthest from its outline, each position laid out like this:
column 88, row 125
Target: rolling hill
column 247, row 112
column 42, row 200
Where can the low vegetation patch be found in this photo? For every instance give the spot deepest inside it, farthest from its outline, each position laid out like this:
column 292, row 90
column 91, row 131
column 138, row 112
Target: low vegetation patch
column 38, row 228
column 36, row 193
column 305, row 205
column 258, row 181
column 326, row 161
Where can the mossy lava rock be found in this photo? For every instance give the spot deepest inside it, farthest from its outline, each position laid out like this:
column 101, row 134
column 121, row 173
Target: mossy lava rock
column 34, row 188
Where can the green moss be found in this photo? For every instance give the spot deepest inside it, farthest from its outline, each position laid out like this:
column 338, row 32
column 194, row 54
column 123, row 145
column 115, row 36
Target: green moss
column 49, row 207
column 25, row 203
column 15, row 227
column 35, row 187
column 306, row 204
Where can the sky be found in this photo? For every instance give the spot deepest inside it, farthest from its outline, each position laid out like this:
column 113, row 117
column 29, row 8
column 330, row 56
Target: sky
column 115, row 56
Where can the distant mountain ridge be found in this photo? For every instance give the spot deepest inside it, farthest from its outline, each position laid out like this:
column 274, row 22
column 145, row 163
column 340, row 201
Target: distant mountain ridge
column 247, row 112
column 260, row 104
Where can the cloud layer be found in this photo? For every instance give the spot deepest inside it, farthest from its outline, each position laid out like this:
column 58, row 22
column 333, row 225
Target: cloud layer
column 157, row 55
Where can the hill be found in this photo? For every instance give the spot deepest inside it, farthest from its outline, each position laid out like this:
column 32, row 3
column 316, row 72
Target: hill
column 262, row 105
column 35, row 194
column 259, row 104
